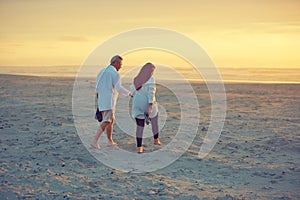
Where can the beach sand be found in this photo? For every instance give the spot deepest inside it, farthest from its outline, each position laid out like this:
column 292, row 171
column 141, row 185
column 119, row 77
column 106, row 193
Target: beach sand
column 256, row 157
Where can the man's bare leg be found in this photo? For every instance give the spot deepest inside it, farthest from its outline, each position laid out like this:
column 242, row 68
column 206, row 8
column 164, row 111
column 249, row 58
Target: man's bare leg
column 109, row 134
column 99, row 132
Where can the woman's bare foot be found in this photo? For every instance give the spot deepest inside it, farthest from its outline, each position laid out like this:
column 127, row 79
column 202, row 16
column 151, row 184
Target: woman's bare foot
column 157, row 142
column 140, row 150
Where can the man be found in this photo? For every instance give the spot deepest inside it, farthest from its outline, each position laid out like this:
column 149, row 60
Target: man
column 107, row 88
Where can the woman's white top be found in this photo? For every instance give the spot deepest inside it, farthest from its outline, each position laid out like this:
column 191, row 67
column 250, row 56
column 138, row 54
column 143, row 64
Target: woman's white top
column 142, row 98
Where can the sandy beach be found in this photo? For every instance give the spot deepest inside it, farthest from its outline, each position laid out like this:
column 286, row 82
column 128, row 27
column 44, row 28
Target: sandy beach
column 256, row 157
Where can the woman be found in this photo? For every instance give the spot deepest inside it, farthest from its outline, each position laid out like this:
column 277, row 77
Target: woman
column 144, row 106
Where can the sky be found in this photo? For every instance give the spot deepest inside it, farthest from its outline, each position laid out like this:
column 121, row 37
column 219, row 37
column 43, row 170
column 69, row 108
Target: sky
column 235, row 34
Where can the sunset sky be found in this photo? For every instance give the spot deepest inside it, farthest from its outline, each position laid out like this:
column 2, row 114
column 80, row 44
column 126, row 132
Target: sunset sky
column 234, row 33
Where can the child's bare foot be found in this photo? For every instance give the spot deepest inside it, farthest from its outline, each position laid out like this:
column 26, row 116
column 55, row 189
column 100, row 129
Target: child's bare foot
column 157, row 142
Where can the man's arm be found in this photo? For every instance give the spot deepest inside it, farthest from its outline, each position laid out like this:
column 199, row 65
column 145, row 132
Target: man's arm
column 96, row 100
column 120, row 88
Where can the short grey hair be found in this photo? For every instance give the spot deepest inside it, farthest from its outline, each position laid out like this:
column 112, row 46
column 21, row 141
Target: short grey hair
column 115, row 58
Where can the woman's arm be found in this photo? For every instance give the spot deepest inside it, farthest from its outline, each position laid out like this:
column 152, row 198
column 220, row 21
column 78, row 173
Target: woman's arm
column 151, row 95
column 151, row 90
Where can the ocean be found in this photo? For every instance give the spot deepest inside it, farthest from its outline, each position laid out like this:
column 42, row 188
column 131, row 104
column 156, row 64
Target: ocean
column 228, row 75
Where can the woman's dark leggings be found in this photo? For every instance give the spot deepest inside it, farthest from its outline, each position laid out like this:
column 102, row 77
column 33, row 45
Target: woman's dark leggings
column 140, row 123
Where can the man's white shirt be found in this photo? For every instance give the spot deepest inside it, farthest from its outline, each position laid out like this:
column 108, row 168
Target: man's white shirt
column 108, row 86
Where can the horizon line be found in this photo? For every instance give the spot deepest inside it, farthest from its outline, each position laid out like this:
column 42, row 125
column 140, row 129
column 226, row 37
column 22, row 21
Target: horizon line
column 228, row 81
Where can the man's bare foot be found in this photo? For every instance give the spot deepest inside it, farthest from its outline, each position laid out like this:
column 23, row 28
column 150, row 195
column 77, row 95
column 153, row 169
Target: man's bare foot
column 110, row 144
column 96, row 146
column 157, row 142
